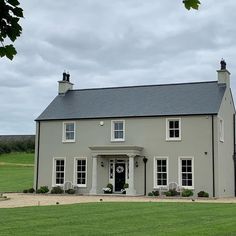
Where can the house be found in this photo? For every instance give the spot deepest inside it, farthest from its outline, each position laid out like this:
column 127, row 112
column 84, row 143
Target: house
column 146, row 136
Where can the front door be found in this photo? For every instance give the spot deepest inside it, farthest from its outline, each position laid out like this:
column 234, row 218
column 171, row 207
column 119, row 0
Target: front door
column 119, row 176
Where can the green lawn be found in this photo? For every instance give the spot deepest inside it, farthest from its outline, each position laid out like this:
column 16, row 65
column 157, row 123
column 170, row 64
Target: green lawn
column 121, row 219
column 15, row 174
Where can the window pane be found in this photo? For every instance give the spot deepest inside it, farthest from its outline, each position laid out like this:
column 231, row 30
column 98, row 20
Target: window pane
column 176, row 124
column 171, row 133
column 176, row 133
column 189, row 162
column 70, row 127
column 70, row 135
column 171, row 124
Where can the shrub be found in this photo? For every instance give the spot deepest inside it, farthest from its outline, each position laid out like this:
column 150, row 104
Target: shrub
column 203, row 194
column 150, row 194
column 109, row 185
column 43, row 189
column 57, row 190
column 31, row 190
column 25, row 191
column 155, row 193
column 171, row 193
column 187, row 193
column 126, row 185
column 70, row 191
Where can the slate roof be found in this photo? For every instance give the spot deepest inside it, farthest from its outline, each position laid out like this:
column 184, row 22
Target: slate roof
column 137, row 101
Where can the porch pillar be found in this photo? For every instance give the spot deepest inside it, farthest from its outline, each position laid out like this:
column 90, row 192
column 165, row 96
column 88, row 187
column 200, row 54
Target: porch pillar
column 131, row 190
column 93, row 190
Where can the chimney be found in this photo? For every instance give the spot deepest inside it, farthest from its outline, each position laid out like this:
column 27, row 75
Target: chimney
column 64, row 84
column 223, row 74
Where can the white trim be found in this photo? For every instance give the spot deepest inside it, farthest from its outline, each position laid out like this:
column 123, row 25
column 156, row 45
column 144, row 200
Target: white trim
column 180, row 158
column 221, row 129
column 75, row 172
column 112, row 131
column 155, row 185
column 64, row 140
column 167, row 129
column 54, row 171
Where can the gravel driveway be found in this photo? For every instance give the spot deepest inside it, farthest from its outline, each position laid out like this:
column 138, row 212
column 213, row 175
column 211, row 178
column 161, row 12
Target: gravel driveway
column 22, row 200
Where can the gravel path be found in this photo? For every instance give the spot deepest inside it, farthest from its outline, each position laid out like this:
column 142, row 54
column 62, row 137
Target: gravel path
column 22, row 200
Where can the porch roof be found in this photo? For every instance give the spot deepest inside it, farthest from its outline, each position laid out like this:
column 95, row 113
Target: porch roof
column 116, row 150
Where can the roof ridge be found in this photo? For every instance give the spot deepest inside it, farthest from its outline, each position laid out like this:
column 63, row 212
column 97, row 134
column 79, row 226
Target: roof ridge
column 143, row 86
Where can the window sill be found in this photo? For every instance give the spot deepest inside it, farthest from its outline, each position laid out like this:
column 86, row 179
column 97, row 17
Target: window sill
column 117, row 140
column 173, row 140
column 187, row 187
column 81, row 186
column 68, row 141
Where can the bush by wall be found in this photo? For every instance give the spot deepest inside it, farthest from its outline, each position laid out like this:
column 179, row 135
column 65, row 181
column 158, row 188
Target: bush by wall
column 43, row 189
column 187, row 193
column 57, row 190
column 203, row 194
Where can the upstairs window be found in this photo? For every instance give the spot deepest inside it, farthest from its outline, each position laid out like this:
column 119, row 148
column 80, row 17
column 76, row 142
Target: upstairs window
column 68, row 132
column 173, row 129
column 117, row 130
column 221, row 130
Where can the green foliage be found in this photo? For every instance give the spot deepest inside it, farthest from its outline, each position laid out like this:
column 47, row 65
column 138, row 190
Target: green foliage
column 126, row 185
column 194, row 4
column 150, row 194
column 43, row 189
column 203, row 194
column 155, row 193
column 171, row 193
column 70, row 191
column 25, row 191
column 17, row 145
column 57, row 190
column 10, row 29
column 109, row 185
column 187, row 193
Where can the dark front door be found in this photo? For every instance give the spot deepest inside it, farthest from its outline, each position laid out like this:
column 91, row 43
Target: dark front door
column 119, row 176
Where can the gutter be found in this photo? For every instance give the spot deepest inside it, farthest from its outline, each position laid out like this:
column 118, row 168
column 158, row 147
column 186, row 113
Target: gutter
column 37, row 170
column 213, row 155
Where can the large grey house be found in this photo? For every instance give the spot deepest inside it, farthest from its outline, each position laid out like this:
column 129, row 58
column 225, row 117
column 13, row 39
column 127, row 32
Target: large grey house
column 146, row 136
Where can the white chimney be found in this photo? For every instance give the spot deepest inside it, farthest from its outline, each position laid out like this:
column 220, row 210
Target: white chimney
column 65, row 84
column 223, row 74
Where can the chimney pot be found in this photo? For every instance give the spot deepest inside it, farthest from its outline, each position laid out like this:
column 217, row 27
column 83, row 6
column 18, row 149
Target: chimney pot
column 222, row 64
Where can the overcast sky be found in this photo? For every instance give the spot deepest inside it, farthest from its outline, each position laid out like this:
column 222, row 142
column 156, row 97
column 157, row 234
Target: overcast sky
column 105, row 43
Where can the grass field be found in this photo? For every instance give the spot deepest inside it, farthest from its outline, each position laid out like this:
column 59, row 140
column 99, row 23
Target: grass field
column 16, row 172
column 121, row 219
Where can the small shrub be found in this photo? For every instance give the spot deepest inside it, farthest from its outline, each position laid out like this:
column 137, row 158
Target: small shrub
column 155, row 193
column 25, row 191
column 126, row 185
column 70, row 191
column 171, row 193
column 109, row 185
column 31, row 190
column 187, row 193
column 43, row 189
column 203, row 194
column 57, row 190
column 150, row 194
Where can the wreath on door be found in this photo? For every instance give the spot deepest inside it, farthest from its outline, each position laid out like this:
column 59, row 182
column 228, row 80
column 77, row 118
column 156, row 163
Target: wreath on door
column 119, row 169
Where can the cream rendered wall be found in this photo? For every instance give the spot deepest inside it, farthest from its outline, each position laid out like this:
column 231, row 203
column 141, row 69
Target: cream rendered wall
column 149, row 133
column 225, row 165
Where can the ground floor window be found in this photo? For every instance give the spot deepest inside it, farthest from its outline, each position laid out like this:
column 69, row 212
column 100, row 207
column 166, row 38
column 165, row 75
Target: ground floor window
column 186, row 172
column 160, row 172
column 59, row 166
column 81, row 171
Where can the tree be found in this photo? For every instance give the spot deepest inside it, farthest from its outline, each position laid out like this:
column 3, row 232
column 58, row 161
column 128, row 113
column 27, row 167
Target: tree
column 191, row 4
column 10, row 14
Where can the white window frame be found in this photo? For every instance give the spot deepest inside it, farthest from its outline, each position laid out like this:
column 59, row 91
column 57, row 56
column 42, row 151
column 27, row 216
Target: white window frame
column 64, row 140
column 221, row 129
column 168, row 138
column 113, row 139
column 54, row 171
column 180, row 171
column 155, row 185
column 75, row 171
